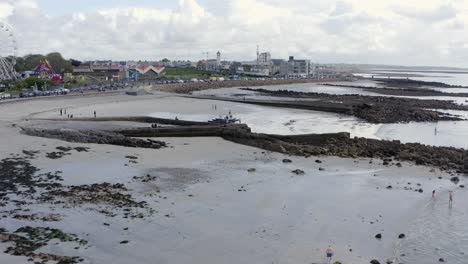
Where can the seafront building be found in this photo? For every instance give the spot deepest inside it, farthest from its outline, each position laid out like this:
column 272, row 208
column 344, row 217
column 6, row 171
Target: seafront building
column 142, row 72
column 213, row 65
column 100, row 71
column 297, row 68
column 263, row 66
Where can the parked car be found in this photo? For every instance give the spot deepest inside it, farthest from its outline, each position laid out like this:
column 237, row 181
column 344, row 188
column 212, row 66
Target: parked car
column 5, row 96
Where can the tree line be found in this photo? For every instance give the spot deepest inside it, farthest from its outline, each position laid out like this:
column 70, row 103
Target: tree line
column 56, row 60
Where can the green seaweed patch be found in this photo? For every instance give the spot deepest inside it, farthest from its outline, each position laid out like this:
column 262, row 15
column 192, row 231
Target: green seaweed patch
column 26, row 240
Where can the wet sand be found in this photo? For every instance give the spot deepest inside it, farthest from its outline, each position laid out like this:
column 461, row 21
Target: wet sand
column 209, row 208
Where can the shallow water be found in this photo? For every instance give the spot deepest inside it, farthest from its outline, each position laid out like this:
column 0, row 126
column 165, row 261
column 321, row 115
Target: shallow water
column 272, row 120
column 437, row 231
column 448, row 78
column 444, row 133
column 318, row 88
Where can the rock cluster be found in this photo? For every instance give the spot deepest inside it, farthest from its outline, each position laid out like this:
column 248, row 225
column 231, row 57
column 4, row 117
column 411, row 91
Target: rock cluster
column 341, row 145
column 374, row 109
column 96, row 137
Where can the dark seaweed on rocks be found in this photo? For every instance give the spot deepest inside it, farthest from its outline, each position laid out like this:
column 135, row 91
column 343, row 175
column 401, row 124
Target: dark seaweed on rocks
column 374, row 109
column 342, row 145
column 96, row 137
column 34, row 239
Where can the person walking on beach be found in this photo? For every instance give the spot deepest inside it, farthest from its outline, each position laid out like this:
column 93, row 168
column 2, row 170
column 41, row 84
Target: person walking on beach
column 329, row 253
column 61, row 112
column 433, row 195
column 94, row 113
column 450, row 199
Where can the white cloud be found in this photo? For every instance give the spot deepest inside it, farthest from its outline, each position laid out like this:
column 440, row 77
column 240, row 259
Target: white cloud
column 357, row 31
column 441, row 13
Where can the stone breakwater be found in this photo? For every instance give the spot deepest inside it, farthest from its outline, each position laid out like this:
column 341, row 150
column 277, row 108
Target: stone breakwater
column 186, row 88
column 342, row 145
column 374, row 109
column 95, row 137
column 335, row 144
column 401, row 82
column 413, row 91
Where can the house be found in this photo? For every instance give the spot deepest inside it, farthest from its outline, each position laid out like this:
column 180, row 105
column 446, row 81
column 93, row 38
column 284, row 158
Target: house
column 145, row 72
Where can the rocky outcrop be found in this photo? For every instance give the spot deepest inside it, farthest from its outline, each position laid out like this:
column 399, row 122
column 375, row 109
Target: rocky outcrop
column 374, row 109
column 334, row 144
column 192, row 87
column 405, row 82
column 95, row 137
column 341, row 145
column 400, row 91
column 465, row 165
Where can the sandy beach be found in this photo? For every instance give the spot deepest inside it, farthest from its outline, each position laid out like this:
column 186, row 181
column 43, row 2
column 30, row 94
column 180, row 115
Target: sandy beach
column 213, row 201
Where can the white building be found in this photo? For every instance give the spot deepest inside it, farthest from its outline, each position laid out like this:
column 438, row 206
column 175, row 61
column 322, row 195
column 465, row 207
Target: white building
column 263, row 66
column 212, row 64
column 264, row 59
column 297, row 68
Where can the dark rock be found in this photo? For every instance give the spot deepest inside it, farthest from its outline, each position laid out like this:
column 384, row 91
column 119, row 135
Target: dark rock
column 401, row 236
column 298, row 172
column 378, row 236
column 441, row 260
column 421, row 190
column 321, row 169
column 318, row 161
column 124, row 242
column 389, row 187
column 287, row 161
column 455, row 180
column 374, row 261
column 462, row 186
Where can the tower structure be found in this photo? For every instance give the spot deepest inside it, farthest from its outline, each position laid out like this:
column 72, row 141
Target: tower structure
column 218, row 58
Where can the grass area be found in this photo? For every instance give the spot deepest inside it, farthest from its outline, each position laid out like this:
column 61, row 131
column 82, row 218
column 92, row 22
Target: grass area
column 71, row 81
column 188, row 73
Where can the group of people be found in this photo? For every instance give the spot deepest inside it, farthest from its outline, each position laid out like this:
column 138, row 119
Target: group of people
column 64, row 112
column 450, row 197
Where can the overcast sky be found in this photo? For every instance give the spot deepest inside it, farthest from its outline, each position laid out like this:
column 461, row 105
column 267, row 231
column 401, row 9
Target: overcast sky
column 402, row 32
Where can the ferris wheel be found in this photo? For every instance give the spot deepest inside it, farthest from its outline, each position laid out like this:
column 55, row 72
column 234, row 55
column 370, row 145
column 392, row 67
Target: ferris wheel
column 8, row 49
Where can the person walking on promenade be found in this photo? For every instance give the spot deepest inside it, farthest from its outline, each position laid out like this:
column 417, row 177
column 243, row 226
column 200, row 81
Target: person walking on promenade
column 61, row 112
column 450, row 199
column 329, row 253
column 94, row 113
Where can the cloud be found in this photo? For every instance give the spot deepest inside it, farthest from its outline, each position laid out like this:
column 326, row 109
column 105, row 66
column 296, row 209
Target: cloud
column 440, row 13
column 354, row 31
column 342, row 8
